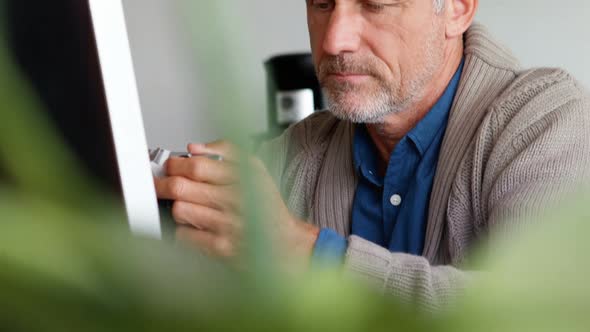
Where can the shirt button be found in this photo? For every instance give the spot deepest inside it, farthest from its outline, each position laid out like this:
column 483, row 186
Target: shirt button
column 396, row 200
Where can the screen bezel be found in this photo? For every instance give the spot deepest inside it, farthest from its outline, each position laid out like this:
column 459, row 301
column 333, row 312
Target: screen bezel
column 128, row 131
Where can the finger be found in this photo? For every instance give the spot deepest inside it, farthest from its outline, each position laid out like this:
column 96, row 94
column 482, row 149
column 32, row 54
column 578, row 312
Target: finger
column 203, row 169
column 178, row 188
column 202, row 218
column 210, row 243
column 223, row 148
column 195, row 238
column 257, row 165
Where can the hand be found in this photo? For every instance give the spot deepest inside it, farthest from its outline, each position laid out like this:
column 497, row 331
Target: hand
column 209, row 208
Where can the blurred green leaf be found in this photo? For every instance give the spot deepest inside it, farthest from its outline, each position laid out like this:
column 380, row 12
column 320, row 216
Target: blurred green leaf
column 536, row 280
column 220, row 52
column 67, row 268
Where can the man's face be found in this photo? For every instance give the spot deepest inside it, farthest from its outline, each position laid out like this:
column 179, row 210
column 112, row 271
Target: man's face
column 375, row 57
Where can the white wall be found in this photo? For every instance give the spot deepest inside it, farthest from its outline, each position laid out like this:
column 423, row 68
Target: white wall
column 543, row 32
column 540, row 32
column 168, row 80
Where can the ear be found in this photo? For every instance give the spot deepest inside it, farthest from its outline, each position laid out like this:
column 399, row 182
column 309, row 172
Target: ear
column 459, row 14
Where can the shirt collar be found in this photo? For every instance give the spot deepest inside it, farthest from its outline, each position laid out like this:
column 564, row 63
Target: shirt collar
column 365, row 155
column 426, row 130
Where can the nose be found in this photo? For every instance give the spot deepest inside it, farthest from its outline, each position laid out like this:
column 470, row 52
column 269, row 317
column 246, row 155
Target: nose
column 343, row 33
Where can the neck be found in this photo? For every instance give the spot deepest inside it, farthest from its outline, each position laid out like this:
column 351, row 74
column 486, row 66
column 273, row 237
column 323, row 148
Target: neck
column 395, row 126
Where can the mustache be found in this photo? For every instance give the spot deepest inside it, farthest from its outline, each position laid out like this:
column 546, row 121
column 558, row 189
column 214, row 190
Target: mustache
column 343, row 63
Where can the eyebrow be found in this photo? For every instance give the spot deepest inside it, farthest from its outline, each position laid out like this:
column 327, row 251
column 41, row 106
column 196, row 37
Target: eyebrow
column 390, row 3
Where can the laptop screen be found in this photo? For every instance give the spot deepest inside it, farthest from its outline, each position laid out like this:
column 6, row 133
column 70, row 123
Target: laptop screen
column 76, row 55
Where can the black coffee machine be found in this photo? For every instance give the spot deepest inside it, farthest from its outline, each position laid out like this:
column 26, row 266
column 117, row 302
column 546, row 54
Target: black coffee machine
column 293, row 91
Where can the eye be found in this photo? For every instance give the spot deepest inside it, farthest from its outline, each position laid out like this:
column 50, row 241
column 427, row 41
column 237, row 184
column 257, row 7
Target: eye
column 377, row 7
column 322, row 5
column 374, row 6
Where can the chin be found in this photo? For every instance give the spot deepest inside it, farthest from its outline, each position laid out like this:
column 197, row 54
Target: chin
column 362, row 110
column 356, row 113
column 357, row 118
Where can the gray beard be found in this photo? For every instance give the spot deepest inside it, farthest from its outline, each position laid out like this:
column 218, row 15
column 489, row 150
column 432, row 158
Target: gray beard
column 388, row 99
column 381, row 104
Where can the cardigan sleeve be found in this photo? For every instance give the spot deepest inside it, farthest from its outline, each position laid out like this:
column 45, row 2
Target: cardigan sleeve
column 410, row 279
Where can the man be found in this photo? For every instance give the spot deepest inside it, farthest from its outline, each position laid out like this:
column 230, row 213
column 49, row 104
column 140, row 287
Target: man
column 434, row 138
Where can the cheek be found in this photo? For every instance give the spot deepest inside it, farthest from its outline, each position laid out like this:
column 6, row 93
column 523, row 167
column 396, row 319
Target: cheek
column 399, row 51
column 389, row 44
column 388, row 59
column 316, row 43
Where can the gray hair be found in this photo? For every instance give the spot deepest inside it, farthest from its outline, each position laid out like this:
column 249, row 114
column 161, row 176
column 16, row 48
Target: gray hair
column 439, row 5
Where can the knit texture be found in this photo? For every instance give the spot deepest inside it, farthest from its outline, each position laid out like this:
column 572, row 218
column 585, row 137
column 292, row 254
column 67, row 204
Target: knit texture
column 516, row 143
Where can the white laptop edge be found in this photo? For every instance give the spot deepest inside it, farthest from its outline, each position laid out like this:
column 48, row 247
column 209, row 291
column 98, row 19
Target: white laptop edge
column 128, row 131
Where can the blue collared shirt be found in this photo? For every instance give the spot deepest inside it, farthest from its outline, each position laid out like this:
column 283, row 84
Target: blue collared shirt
column 392, row 211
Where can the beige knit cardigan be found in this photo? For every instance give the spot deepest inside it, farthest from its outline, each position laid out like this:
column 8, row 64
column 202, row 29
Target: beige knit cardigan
column 515, row 142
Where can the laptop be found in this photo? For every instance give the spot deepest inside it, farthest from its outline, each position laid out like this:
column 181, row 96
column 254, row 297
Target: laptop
column 77, row 56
